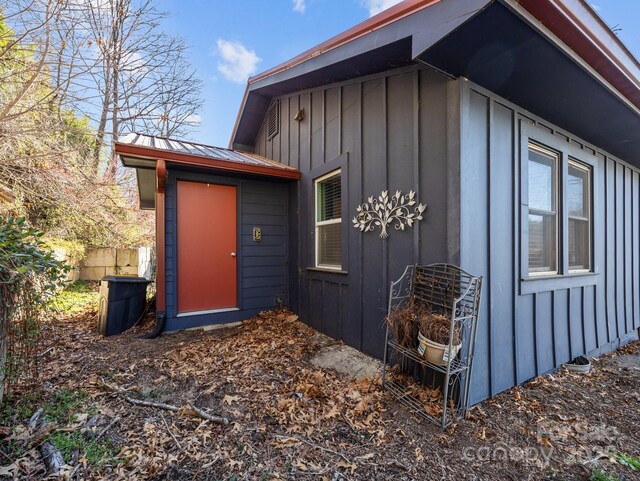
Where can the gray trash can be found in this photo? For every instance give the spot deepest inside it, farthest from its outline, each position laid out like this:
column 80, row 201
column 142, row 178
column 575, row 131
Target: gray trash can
column 122, row 301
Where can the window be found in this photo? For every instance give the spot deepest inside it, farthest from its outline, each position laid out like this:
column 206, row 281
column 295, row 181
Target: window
column 328, row 193
column 559, row 216
column 579, row 211
column 543, row 210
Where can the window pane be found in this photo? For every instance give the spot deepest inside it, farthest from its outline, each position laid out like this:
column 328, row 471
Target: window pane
column 542, row 243
column 330, row 245
column 542, row 180
column 578, row 244
column 329, row 198
column 577, row 191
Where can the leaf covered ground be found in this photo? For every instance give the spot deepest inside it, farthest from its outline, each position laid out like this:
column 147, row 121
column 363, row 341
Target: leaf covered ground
column 292, row 420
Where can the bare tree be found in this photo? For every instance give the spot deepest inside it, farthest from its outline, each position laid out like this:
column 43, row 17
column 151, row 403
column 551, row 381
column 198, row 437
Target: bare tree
column 74, row 75
column 143, row 78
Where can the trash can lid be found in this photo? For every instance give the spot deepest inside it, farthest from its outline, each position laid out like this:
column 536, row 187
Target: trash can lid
column 129, row 279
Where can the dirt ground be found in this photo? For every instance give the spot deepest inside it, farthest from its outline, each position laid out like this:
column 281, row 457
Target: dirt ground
column 292, row 420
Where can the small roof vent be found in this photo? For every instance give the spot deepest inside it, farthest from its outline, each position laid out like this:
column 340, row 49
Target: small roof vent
column 273, row 120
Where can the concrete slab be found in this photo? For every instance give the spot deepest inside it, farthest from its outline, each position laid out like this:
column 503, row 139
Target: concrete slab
column 347, row 360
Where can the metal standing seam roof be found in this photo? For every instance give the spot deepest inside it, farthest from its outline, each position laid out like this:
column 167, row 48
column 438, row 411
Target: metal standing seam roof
column 151, row 147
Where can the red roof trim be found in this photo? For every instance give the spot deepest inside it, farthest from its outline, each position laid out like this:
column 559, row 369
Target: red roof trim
column 201, row 161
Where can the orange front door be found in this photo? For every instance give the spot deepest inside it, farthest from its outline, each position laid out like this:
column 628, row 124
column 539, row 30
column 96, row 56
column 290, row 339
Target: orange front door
column 207, row 243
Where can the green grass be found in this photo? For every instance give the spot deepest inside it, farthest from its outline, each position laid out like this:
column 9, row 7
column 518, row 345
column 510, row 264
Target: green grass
column 65, row 403
column 628, row 461
column 600, row 475
column 79, row 296
column 97, row 452
column 61, row 407
column 17, row 408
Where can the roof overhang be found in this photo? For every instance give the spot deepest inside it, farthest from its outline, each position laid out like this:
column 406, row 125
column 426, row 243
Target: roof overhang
column 143, row 158
column 547, row 56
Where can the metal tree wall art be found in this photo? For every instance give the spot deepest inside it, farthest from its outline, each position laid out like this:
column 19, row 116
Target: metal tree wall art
column 384, row 211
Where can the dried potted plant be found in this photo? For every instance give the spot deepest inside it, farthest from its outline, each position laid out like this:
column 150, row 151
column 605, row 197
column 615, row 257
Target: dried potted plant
column 403, row 324
column 434, row 338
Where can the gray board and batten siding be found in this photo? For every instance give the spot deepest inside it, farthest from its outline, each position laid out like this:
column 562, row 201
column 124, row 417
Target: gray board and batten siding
column 458, row 147
column 263, row 269
column 538, row 324
column 372, row 130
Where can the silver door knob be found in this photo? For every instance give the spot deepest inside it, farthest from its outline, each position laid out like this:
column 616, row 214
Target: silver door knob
column 233, row 254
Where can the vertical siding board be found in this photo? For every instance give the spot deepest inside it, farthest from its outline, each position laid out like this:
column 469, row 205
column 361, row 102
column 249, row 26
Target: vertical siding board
column 515, row 250
column 561, row 323
column 635, row 249
column 544, row 332
column 332, row 121
column 351, row 138
column 316, row 114
column 610, row 275
column 525, row 334
column 294, row 133
column 285, row 138
column 601, row 252
column 274, row 144
column 400, row 164
column 473, row 224
column 305, row 207
column 590, row 333
column 628, row 252
column 416, row 158
column 433, row 167
column 620, row 261
column 171, row 247
column 374, row 290
column 501, row 266
column 332, row 309
column 316, row 304
column 575, row 322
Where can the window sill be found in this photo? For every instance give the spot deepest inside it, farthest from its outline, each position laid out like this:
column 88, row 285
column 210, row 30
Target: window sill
column 327, row 271
column 542, row 283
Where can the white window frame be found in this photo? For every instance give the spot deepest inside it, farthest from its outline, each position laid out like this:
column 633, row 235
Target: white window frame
column 589, row 170
column 568, row 150
column 318, row 224
column 532, row 145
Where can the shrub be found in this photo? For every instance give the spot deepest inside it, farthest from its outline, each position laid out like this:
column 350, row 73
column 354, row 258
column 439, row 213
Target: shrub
column 29, row 273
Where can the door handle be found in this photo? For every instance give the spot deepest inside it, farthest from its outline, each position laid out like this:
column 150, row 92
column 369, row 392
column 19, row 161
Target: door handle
column 233, row 254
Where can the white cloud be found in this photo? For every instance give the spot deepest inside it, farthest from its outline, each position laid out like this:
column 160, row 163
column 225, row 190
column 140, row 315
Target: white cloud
column 194, row 119
column 377, row 6
column 238, row 63
column 299, row 6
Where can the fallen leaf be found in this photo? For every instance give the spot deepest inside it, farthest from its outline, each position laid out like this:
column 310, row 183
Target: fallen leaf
column 227, row 399
column 343, row 464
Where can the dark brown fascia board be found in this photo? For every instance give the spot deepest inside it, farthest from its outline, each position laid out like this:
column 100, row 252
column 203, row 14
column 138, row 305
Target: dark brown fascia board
column 130, row 151
column 582, row 34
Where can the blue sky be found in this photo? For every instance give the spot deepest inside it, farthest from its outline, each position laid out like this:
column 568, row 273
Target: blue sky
column 232, row 39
